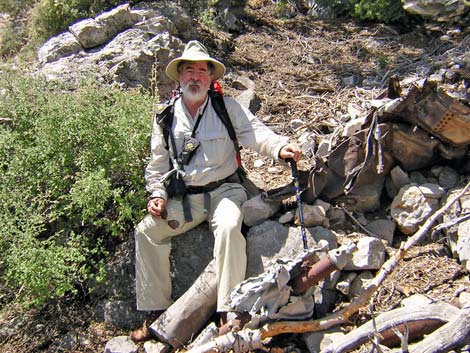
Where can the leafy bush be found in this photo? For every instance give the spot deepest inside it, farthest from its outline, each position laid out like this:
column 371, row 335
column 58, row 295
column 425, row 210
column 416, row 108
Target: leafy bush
column 71, row 176
column 12, row 38
column 203, row 10
column 387, row 11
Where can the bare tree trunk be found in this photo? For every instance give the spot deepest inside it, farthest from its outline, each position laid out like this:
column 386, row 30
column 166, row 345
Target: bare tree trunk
column 422, row 318
column 454, row 334
column 186, row 316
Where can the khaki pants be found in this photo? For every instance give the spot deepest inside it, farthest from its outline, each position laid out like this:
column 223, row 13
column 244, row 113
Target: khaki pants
column 153, row 245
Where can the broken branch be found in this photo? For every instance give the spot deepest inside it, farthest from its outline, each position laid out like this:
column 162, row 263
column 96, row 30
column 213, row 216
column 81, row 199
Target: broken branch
column 454, row 334
column 424, row 317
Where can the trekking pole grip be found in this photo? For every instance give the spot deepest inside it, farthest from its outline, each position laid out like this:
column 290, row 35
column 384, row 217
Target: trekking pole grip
column 293, row 166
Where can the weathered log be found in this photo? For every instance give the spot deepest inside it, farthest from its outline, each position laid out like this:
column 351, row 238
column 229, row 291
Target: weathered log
column 187, row 315
column 454, row 334
column 304, row 276
column 420, row 319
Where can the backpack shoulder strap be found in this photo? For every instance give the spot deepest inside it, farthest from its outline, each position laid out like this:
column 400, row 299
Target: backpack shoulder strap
column 219, row 106
column 164, row 114
column 164, row 118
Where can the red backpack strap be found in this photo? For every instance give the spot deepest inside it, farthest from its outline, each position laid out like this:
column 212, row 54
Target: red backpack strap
column 216, row 86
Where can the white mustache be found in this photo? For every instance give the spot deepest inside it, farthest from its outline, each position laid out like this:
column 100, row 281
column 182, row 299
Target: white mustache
column 194, row 83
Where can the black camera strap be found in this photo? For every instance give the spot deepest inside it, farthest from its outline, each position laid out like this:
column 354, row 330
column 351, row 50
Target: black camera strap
column 198, row 120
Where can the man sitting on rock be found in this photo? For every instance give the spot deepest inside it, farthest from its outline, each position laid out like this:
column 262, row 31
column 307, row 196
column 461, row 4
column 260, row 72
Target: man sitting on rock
column 212, row 189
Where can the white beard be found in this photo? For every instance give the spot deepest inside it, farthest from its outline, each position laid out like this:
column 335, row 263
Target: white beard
column 192, row 93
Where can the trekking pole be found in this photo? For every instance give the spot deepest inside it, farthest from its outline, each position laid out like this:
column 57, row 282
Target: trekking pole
column 295, row 176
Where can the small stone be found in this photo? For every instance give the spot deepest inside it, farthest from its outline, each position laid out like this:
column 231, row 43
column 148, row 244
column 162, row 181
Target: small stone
column 296, row 124
column 274, row 170
column 258, row 163
column 325, row 205
column 436, row 170
column 370, row 255
column 156, row 347
column 336, row 216
column 448, row 178
column 390, row 187
column 417, row 177
column 351, row 81
column 313, row 216
column 345, row 282
column 383, row 228
column 287, row 217
column 433, row 191
column 360, row 283
column 413, row 205
column 121, row 344
column 256, row 210
column 399, row 177
column 324, row 148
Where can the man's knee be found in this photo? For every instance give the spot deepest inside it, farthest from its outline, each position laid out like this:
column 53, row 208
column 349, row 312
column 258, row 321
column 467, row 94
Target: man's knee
column 230, row 236
column 231, row 225
column 151, row 230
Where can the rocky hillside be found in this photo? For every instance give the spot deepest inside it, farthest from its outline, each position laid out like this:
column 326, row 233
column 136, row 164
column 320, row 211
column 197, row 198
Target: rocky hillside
column 316, row 80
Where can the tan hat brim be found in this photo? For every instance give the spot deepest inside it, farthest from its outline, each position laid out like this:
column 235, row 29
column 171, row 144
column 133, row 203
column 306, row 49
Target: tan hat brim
column 172, row 67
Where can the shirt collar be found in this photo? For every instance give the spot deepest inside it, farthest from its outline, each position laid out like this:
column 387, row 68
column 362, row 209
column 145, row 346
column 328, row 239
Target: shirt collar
column 200, row 110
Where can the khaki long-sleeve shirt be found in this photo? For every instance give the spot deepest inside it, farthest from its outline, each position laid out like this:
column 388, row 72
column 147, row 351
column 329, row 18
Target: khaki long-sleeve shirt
column 215, row 158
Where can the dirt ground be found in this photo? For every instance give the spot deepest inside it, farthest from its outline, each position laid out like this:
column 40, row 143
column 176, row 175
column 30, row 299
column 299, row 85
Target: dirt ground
column 299, row 67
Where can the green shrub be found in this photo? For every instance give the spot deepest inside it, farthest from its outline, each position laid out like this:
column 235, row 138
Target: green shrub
column 71, row 176
column 204, row 11
column 387, row 11
column 11, row 39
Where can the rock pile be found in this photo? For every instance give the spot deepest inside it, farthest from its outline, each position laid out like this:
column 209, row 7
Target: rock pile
column 120, row 46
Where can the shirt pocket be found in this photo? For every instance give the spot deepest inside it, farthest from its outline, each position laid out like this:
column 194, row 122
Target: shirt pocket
column 214, row 148
column 179, row 139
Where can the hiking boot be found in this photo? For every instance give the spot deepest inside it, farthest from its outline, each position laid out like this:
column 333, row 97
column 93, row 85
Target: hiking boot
column 144, row 333
column 232, row 321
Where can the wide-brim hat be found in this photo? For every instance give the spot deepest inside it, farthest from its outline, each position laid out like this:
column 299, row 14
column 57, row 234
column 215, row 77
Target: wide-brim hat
column 194, row 51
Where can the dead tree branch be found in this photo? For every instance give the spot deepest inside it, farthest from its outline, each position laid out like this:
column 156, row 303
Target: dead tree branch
column 425, row 317
column 454, row 334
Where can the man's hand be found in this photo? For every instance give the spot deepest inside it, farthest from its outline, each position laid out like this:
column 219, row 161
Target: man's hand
column 291, row 150
column 157, row 207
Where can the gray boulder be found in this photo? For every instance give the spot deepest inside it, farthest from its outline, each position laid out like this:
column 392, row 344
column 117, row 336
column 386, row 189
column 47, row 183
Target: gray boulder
column 63, row 45
column 414, row 204
column 130, row 47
